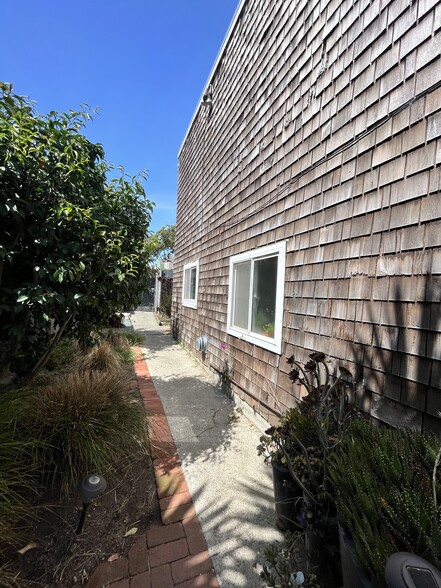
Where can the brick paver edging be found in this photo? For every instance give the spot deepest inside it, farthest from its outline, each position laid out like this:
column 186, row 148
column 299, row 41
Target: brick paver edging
column 174, row 555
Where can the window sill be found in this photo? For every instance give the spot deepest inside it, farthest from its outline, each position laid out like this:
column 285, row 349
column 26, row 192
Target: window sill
column 190, row 303
column 260, row 340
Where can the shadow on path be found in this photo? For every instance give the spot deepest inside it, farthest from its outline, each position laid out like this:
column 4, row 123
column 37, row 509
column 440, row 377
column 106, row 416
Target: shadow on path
column 230, row 485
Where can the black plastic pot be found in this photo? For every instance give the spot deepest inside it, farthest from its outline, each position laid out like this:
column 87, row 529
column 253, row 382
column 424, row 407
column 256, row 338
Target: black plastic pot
column 353, row 575
column 288, row 498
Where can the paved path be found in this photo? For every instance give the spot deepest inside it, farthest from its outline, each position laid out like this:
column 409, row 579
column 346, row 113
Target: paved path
column 215, row 492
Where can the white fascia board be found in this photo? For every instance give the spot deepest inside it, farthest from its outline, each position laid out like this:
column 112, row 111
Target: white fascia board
column 213, row 69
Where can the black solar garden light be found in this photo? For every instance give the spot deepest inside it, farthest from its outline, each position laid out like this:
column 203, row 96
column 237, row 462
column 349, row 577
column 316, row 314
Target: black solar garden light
column 91, row 486
column 407, row 570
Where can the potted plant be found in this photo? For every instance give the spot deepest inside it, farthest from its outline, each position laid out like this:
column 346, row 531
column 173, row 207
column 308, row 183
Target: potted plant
column 303, row 443
column 276, row 446
column 388, row 498
column 284, row 564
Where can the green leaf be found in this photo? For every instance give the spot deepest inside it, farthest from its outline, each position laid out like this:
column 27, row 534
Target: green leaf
column 22, row 298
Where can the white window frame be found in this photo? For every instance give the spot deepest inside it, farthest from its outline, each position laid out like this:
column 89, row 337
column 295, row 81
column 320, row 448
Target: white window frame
column 190, row 302
column 273, row 344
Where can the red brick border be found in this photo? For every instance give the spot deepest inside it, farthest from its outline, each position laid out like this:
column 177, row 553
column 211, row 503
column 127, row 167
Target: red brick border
column 176, row 554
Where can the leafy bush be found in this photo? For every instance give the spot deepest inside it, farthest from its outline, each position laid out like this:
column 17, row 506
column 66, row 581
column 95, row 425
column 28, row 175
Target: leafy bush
column 388, row 495
column 73, row 247
column 134, row 339
column 63, row 355
column 86, row 421
column 304, row 442
column 286, row 564
column 126, row 355
column 166, row 304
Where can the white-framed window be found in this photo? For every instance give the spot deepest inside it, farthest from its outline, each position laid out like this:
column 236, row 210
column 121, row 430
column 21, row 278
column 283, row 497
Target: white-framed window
column 190, row 285
column 255, row 296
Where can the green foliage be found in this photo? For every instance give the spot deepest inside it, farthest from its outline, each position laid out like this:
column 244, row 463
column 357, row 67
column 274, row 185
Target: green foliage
column 17, row 476
column 166, row 304
column 285, row 561
column 134, row 339
column 387, row 495
column 65, row 353
column 309, row 433
column 161, row 244
column 73, row 244
column 86, row 422
column 126, row 355
column 304, row 442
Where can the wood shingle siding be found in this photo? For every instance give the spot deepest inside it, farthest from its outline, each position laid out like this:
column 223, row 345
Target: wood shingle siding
column 324, row 132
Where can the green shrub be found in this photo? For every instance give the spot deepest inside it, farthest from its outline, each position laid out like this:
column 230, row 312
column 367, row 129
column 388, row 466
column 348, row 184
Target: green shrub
column 387, row 497
column 134, row 339
column 64, row 354
column 126, row 355
column 87, row 421
column 287, row 562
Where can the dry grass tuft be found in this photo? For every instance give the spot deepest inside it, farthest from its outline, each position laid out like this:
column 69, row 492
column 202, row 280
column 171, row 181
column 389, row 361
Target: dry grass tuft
column 86, row 422
column 101, row 358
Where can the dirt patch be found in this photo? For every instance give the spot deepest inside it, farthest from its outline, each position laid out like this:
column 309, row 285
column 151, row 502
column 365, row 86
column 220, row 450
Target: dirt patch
column 64, row 559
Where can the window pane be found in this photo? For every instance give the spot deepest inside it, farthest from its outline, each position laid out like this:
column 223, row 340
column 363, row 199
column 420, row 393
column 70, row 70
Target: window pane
column 264, row 296
column 186, row 283
column 192, row 283
column 241, row 296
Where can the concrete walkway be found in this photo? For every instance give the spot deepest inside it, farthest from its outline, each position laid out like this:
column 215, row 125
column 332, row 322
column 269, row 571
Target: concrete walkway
column 229, row 484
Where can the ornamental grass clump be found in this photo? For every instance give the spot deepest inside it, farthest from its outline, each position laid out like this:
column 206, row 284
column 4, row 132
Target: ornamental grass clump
column 86, row 422
column 17, row 476
column 388, row 492
column 101, row 358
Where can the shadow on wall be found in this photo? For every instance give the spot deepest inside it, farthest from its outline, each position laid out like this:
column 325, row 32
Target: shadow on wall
column 401, row 370
column 175, row 328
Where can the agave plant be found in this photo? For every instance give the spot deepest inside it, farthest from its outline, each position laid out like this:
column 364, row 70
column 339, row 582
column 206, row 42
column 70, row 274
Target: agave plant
column 388, row 494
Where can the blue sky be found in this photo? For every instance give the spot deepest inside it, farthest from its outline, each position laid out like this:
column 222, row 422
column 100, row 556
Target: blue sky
column 143, row 62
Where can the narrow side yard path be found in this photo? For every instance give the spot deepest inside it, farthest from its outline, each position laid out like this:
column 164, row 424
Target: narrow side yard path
column 174, row 555
column 215, row 479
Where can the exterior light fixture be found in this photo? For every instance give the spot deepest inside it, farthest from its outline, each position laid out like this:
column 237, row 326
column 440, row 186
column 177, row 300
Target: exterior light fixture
column 407, row 570
column 207, row 98
column 90, row 487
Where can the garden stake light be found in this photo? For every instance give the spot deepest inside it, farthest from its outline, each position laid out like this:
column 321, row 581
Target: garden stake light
column 91, row 486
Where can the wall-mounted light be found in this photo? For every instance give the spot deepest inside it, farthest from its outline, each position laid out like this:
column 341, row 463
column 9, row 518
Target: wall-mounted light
column 207, row 99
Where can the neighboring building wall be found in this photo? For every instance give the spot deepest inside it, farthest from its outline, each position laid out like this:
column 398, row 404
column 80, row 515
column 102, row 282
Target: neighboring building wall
column 324, row 131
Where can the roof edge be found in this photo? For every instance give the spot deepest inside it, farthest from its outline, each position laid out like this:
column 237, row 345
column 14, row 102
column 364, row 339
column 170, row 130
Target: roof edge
column 213, row 69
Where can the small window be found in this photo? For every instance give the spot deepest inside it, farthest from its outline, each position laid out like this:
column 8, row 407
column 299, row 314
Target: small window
column 190, row 288
column 255, row 298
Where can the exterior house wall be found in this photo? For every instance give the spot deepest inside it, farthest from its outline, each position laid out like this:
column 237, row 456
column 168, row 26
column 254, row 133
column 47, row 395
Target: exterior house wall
column 325, row 132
